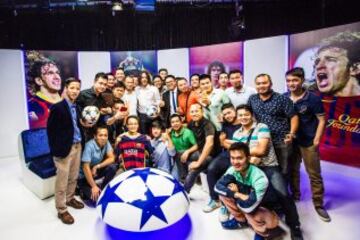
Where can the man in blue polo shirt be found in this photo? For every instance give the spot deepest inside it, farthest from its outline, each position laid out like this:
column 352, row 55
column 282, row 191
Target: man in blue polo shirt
column 312, row 119
column 97, row 162
column 277, row 112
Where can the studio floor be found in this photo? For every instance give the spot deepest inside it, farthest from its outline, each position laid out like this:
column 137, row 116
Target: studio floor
column 24, row 216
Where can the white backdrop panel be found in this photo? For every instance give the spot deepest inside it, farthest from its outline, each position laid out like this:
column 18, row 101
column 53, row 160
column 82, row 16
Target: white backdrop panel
column 176, row 61
column 91, row 63
column 266, row 55
column 12, row 101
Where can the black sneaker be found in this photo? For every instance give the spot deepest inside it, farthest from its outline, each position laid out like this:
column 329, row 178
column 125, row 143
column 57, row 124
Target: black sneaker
column 296, row 233
column 323, row 214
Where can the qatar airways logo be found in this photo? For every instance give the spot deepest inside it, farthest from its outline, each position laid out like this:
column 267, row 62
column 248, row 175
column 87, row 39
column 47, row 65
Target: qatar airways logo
column 345, row 122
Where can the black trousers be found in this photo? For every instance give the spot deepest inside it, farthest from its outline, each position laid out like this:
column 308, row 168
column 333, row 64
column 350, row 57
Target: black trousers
column 107, row 172
column 216, row 169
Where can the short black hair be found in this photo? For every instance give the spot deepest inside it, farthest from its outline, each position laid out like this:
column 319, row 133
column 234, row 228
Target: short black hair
column 118, row 101
column 263, row 75
column 227, row 105
column 120, row 68
column 163, row 69
column 170, row 76
column 70, row 80
column 246, row 107
column 157, row 124
column 175, row 115
column 296, row 72
column 101, row 126
column 132, row 117
column 240, row 146
column 156, row 76
column 180, row 79
column 224, row 73
column 204, row 76
column 195, row 75
column 119, row 84
column 100, row 75
column 235, row 71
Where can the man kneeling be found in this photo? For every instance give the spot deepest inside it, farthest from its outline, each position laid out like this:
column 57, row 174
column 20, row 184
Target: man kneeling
column 97, row 162
column 242, row 189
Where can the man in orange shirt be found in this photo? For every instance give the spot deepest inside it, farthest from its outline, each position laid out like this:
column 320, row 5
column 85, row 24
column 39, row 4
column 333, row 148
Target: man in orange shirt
column 186, row 97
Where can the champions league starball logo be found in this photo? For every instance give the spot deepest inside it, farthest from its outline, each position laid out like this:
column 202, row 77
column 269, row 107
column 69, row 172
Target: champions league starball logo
column 142, row 200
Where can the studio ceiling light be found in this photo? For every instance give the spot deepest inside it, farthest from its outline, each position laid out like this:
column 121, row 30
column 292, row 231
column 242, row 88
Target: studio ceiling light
column 117, row 6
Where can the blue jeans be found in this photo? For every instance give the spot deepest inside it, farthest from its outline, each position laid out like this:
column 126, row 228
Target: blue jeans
column 278, row 189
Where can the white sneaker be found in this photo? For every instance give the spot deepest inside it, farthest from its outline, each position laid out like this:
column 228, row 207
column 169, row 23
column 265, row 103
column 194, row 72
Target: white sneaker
column 211, row 206
column 224, row 214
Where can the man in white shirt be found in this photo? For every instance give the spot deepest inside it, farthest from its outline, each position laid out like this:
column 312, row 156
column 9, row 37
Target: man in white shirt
column 130, row 98
column 148, row 98
column 238, row 93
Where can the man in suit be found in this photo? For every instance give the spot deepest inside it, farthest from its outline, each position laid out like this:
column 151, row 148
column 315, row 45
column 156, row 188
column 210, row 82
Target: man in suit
column 169, row 101
column 65, row 142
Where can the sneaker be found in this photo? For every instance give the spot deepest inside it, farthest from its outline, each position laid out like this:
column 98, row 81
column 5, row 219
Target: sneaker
column 233, row 224
column 296, row 233
column 258, row 237
column 224, row 214
column 211, row 206
column 323, row 214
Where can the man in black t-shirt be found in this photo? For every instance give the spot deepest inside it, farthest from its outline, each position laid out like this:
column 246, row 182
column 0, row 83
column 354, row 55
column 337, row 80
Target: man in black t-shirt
column 204, row 132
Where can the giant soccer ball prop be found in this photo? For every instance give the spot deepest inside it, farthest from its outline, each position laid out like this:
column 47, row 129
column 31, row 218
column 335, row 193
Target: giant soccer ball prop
column 141, row 200
column 90, row 114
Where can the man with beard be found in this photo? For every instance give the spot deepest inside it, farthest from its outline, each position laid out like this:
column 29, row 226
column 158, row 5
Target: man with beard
column 277, row 112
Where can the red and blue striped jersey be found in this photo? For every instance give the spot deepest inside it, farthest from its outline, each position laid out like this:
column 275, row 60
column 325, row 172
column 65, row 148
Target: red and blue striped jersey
column 132, row 151
column 342, row 133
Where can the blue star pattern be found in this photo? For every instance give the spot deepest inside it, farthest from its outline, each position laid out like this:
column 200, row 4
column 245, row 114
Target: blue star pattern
column 178, row 188
column 108, row 197
column 143, row 173
column 151, row 206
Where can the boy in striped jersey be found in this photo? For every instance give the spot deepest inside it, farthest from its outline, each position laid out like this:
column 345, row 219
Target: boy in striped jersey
column 133, row 148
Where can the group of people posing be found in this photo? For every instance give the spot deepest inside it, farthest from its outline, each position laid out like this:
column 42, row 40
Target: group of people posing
column 249, row 142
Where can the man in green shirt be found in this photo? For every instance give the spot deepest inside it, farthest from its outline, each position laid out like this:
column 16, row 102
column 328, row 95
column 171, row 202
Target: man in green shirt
column 184, row 142
column 241, row 190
